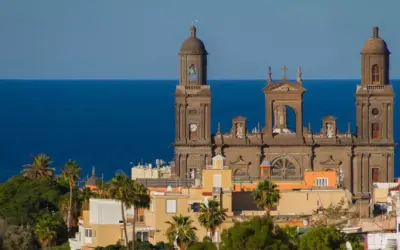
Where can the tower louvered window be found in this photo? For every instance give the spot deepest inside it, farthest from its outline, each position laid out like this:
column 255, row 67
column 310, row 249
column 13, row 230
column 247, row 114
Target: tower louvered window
column 375, row 74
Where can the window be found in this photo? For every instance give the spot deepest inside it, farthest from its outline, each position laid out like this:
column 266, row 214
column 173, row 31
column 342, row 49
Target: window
column 217, row 180
column 88, row 235
column 375, row 73
column 375, row 130
column 375, row 174
column 171, row 207
column 322, row 182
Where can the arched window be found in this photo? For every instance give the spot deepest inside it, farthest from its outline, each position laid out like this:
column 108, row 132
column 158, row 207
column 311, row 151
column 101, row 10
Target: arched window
column 283, row 167
column 375, row 73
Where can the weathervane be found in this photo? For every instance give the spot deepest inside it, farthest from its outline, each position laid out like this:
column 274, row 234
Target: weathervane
column 194, row 21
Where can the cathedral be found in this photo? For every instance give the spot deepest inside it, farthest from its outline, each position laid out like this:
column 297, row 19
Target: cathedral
column 361, row 157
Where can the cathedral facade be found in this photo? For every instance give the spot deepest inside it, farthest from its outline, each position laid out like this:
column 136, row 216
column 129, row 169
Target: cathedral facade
column 361, row 158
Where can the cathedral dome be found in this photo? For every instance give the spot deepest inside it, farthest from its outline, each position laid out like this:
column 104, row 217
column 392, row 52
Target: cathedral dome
column 193, row 45
column 375, row 44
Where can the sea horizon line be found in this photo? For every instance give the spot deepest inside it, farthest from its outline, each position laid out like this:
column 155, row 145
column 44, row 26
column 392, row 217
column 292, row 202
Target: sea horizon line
column 153, row 80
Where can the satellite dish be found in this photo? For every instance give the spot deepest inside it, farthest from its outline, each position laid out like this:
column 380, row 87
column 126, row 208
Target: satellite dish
column 348, row 246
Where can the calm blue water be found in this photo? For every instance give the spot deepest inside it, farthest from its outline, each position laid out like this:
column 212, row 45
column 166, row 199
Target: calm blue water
column 108, row 124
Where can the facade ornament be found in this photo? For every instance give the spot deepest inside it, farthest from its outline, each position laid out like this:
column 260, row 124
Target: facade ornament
column 219, row 128
column 299, row 80
column 269, row 74
column 284, row 72
column 239, row 130
column 258, row 127
column 348, row 128
column 309, row 127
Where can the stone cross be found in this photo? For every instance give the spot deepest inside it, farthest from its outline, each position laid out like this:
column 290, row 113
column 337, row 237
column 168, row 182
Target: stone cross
column 284, row 72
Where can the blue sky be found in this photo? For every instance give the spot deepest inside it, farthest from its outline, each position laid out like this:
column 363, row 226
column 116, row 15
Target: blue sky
column 140, row 39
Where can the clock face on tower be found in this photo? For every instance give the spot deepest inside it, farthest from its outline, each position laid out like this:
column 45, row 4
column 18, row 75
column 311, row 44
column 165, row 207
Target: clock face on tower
column 193, row 127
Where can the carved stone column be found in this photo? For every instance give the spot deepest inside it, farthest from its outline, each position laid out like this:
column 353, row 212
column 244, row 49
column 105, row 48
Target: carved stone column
column 207, row 121
column 359, row 120
column 299, row 122
column 357, row 173
column 177, row 116
column 182, row 122
column 390, row 122
column 268, row 122
column 390, row 168
column 365, row 121
column 384, row 168
column 203, row 124
column 185, row 125
column 183, row 167
column 177, row 165
column 385, row 118
column 365, row 173
column 347, row 172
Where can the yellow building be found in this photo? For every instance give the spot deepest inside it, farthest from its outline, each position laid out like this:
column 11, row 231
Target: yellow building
column 101, row 225
column 316, row 189
column 217, row 184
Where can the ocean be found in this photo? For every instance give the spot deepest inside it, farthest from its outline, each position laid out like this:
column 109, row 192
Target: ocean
column 109, row 124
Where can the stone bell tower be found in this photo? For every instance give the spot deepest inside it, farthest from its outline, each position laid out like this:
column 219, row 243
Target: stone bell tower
column 192, row 109
column 374, row 96
column 374, row 151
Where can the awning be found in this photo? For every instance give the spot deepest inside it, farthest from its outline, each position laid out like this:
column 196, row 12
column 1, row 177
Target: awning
column 144, row 229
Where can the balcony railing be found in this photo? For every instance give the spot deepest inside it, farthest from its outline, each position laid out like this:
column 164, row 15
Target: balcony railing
column 375, row 87
column 261, row 178
column 166, row 182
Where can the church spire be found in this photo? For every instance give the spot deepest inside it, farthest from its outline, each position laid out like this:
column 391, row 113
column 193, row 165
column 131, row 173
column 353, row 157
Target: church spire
column 93, row 171
column 193, row 31
column 299, row 80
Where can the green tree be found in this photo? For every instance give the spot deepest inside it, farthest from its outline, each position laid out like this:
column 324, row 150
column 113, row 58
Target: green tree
column 211, row 216
column 20, row 237
column 206, row 244
column 121, row 189
column 266, row 195
column 23, row 200
column 326, row 238
column 40, row 168
column 72, row 172
column 140, row 199
column 180, row 230
column 256, row 233
column 290, row 235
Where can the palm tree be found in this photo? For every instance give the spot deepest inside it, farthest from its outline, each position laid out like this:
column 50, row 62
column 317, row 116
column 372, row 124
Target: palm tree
column 140, row 199
column 72, row 172
column 45, row 230
column 121, row 189
column 181, row 232
column 104, row 190
column 211, row 216
column 40, row 168
column 266, row 195
column 86, row 193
